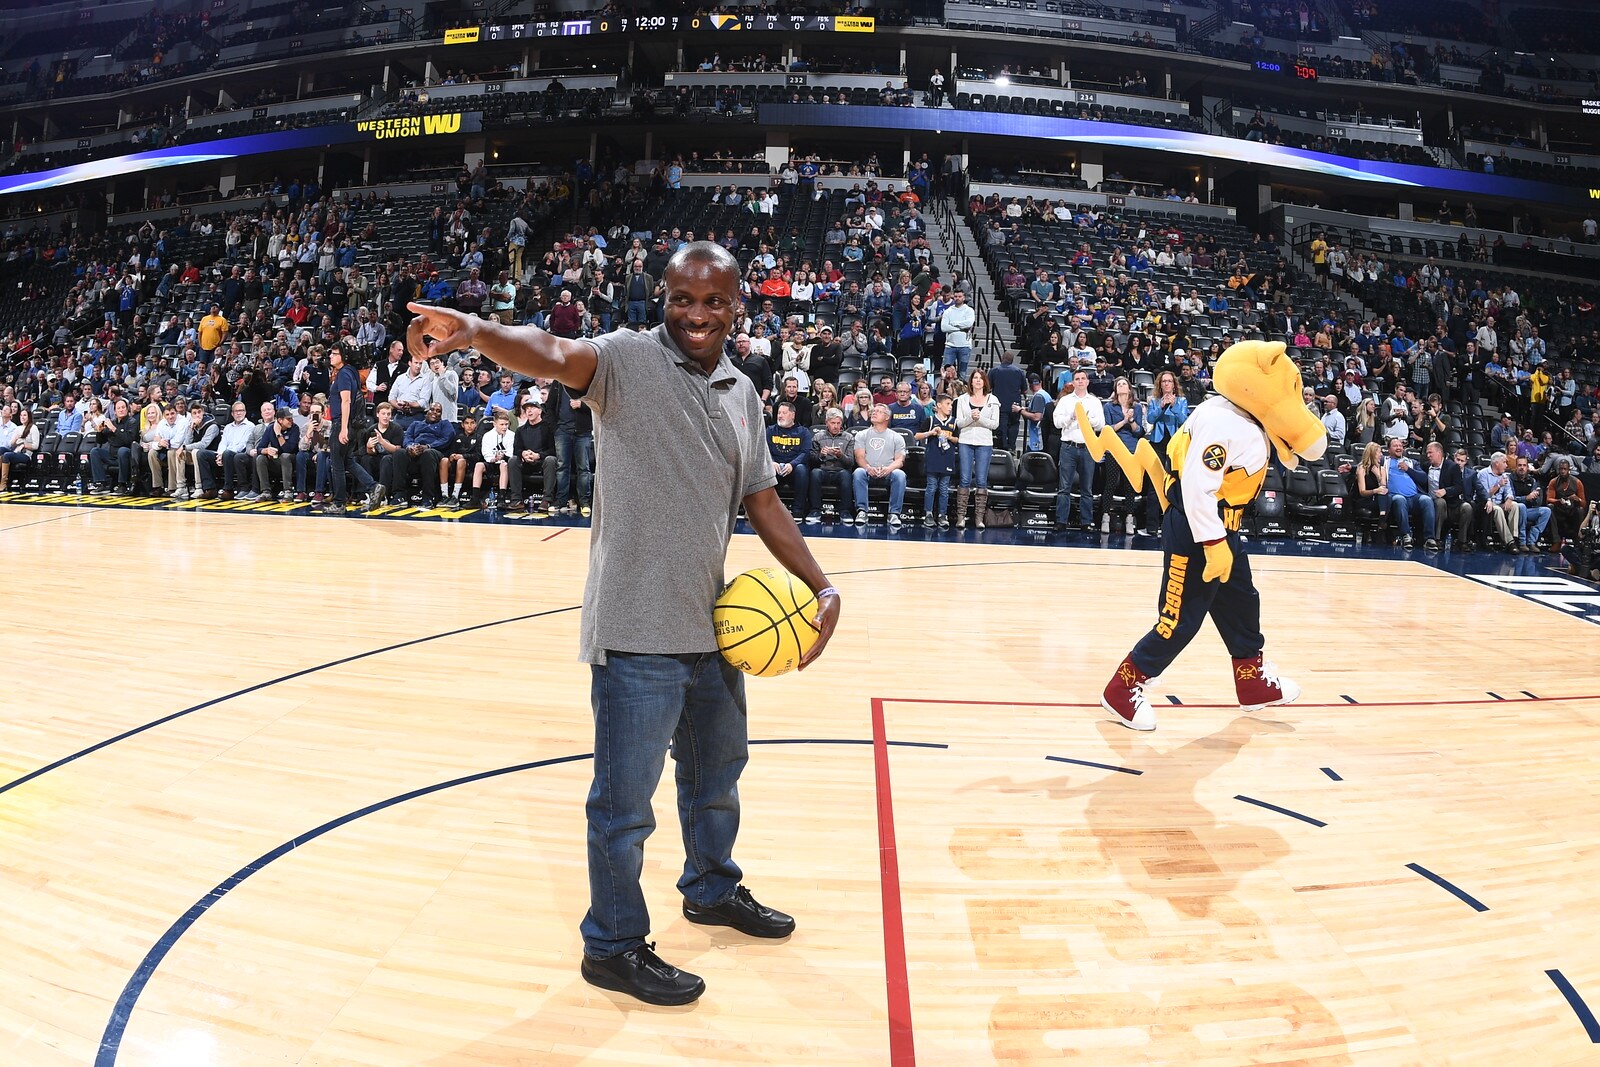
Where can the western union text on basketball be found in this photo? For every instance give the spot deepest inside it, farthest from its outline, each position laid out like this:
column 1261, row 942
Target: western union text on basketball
column 416, row 126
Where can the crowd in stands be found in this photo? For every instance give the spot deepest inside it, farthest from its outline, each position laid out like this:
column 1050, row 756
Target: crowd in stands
column 1297, row 20
column 205, row 355
column 1410, row 391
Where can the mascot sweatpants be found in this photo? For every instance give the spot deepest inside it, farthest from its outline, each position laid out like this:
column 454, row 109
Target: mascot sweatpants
column 1185, row 599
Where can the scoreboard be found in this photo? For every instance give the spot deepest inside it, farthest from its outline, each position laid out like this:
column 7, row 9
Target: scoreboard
column 756, row 23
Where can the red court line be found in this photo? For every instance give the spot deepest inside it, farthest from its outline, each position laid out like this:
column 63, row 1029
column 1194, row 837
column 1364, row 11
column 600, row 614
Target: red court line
column 558, row 533
column 1297, row 704
column 902, row 1047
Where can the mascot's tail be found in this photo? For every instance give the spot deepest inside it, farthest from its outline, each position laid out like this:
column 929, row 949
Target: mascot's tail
column 1136, row 464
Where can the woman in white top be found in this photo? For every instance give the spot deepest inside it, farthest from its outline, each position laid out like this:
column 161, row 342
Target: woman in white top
column 20, row 452
column 1083, row 354
column 797, row 359
column 803, row 292
column 977, row 417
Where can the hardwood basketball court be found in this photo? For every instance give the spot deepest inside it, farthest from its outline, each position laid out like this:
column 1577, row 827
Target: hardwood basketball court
column 357, row 835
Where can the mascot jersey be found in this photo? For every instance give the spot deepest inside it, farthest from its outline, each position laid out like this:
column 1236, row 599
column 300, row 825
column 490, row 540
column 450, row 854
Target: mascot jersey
column 1219, row 457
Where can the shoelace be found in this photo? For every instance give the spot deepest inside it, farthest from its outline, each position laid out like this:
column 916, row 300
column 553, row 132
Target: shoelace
column 648, row 959
column 1269, row 675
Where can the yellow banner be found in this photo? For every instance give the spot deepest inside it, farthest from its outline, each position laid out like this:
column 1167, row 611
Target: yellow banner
column 466, row 36
column 855, row 24
column 411, row 126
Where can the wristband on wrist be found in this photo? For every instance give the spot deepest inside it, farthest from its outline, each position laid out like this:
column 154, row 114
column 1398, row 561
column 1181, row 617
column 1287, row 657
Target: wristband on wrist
column 829, row 591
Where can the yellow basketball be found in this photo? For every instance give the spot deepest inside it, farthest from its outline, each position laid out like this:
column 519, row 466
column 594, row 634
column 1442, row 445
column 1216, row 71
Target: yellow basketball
column 762, row 620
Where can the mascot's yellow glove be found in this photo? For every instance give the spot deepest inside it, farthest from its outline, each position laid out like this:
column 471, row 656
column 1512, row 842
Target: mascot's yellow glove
column 1219, row 561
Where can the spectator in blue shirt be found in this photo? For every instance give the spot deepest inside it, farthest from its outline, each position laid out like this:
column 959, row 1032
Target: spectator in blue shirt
column 1407, row 497
column 69, row 419
column 905, row 413
column 506, row 397
column 437, row 289
column 1494, row 489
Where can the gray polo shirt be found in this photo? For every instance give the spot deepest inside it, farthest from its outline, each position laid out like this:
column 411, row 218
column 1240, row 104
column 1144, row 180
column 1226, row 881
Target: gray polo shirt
column 676, row 451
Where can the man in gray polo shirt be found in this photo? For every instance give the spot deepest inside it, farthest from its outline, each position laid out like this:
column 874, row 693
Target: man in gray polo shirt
column 680, row 446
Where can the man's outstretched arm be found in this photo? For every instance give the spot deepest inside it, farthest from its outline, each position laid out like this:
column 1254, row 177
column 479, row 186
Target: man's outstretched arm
column 524, row 349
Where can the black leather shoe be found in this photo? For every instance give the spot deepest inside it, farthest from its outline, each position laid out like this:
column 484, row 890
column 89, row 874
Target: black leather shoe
column 643, row 975
column 744, row 914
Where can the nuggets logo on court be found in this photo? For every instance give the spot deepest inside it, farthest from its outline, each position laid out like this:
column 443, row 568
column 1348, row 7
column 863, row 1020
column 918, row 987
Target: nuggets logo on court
column 1214, row 457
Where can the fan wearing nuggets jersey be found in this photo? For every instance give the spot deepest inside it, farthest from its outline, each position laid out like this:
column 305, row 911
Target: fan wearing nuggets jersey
column 1218, row 464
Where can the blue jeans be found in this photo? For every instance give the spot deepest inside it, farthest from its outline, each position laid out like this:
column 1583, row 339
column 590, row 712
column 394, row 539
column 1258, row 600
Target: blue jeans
column 936, row 496
column 799, row 478
column 643, row 703
column 1076, row 470
column 1006, row 436
column 1404, row 506
column 975, row 465
column 897, row 489
column 840, row 479
column 1534, row 520
column 961, row 357
column 312, row 468
column 100, row 459
column 343, row 459
column 573, row 448
column 637, row 312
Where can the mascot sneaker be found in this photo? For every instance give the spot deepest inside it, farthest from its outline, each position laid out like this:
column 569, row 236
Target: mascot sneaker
column 1259, row 686
column 1124, row 697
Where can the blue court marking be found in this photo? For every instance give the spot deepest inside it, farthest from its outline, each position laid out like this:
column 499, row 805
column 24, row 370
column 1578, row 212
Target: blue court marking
column 137, row 730
column 1281, row 811
column 1471, row 901
column 1529, row 695
column 1348, row 699
column 122, row 1011
column 1497, row 696
column 1579, row 1008
column 1331, row 773
column 1173, row 700
column 1096, row 766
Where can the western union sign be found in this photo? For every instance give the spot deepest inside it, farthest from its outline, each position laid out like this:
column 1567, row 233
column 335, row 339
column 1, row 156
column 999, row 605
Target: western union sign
column 854, row 24
column 416, row 126
column 466, row 36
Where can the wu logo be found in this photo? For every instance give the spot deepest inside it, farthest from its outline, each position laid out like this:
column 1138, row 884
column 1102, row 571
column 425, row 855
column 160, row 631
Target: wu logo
column 432, row 124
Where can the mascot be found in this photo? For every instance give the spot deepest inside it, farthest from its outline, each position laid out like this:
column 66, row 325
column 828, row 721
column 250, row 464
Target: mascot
column 1218, row 462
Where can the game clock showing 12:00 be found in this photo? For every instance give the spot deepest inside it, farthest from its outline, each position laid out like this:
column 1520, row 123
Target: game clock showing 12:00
column 1299, row 69
column 678, row 23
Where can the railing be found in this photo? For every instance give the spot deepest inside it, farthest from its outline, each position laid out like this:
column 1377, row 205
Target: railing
column 951, row 223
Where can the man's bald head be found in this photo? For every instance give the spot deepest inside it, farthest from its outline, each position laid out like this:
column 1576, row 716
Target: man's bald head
column 702, row 254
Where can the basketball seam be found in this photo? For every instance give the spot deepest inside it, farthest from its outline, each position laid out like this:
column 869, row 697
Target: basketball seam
column 788, row 618
column 772, row 624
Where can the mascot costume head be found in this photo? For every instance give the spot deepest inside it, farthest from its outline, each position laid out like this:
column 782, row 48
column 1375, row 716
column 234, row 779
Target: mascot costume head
column 1259, row 378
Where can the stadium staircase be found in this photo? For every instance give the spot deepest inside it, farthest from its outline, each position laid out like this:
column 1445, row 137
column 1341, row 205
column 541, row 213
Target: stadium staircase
column 1302, row 263
column 955, row 248
column 1444, row 157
